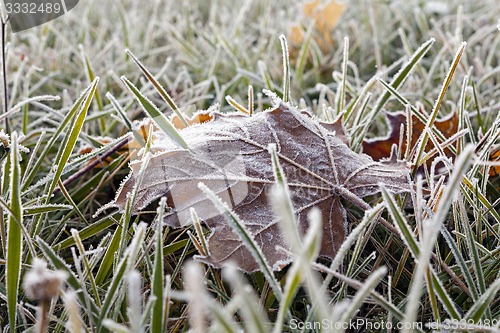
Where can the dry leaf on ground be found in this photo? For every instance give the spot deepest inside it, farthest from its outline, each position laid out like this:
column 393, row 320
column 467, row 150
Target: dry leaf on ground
column 380, row 148
column 324, row 15
column 230, row 155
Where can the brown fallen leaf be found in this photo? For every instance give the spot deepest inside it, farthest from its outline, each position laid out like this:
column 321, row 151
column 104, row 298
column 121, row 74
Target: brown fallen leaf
column 380, row 148
column 229, row 154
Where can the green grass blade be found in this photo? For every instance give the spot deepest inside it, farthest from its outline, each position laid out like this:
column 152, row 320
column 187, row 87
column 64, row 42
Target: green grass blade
column 401, row 223
column 120, row 110
column 482, row 305
column 369, row 285
column 124, row 266
column 72, row 280
column 87, row 232
column 430, row 232
column 472, row 249
column 14, row 235
column 91, row 75
column 400, row 77
column 443, row 296
column 461, row 263
column 41, row 209
column 28, row 179
column 107, row 261
column 163, row 93
column 157, row 291
column 432, row 117
column 69, row 143
column 156, row 115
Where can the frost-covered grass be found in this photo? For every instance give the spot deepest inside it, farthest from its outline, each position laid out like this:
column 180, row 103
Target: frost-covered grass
column 436, row 257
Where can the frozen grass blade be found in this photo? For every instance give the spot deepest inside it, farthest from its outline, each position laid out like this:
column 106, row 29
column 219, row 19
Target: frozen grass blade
column 480, row 199
column 72, row 280
column 202, row 304
column 86, row 232
column 432, row 117
column 431, row 231
column 400, row 77
column 199, row 231
column 416, row 112
column 28, row 179
column 401, row 223
column 163, row 93
column 124, row 266
column 473, row 253
column 42, row 209
column 157, row 291
column 342, row 87
column 282, row 203
column 115, row 327
column 120, row 111
column 134, row 299
column 306, row 250
column 286, row 69
column 240, row 229
column 109, row 256
column 394, row 310
column 370, row 216
column 88, row 275
column 301, row 273
column 22, row 104
column 461, row 263
column 266, row 77
column 250, row 100
column 254, row 317
column 414, row 246
column 236, row 105
column 355, row 236
column 74, row 324
column 481, row 306
column 70, row 141
column 195, row 289
column 156, row 115
column 14, row 235
column 360, row 297
column 91, row 77
column 307, row 256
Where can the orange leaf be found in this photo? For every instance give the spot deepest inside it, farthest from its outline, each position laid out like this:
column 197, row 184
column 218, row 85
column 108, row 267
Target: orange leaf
column 198, row 117
column 324, row 15
column 495, row 157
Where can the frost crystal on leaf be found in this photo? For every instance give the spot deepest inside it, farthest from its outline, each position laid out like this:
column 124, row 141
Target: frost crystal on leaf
column 229, row 155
